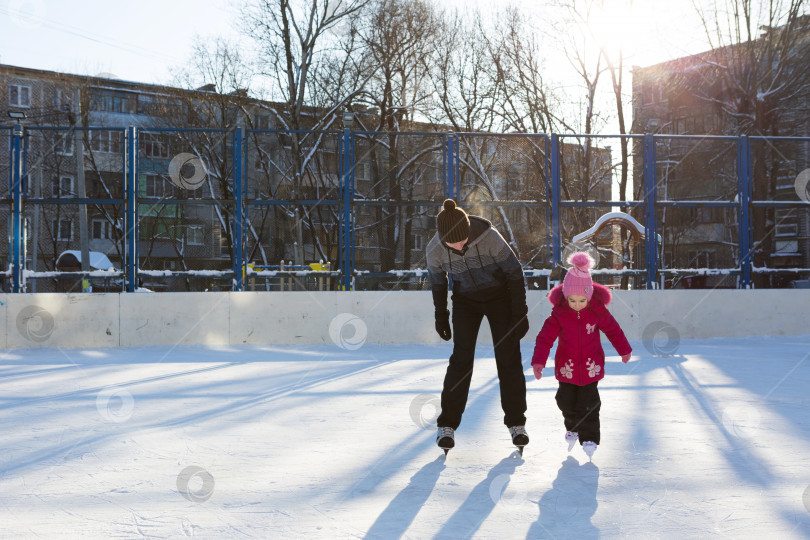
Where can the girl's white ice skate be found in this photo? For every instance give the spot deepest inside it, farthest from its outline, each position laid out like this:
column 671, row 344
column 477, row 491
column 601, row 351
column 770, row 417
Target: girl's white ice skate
column 589, row 447
column 571, row 439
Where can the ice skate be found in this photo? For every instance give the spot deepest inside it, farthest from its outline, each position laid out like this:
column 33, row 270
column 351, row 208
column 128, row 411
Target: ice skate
column 445, row 438
column 519, row 437
column 571, row 438
column 589, row 448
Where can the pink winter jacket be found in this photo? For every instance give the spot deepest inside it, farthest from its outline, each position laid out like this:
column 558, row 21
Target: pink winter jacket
column 580, row 359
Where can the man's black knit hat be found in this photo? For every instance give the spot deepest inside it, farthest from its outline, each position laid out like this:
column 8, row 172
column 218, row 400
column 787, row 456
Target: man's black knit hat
column 453, row 223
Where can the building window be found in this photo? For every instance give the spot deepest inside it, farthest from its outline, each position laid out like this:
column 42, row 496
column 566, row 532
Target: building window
column 154, row 146
column 147, row 105
column 650, row 93
column 787, row 222
column 786, row 247
column 362, row 171
column 101, row 229
column 705, row 214
column 107, row 141
column 710, row 122
column 62, row 100
column 418, row 241
column 158, row 187
column 19, row 96
column 195, row 235
column 701, row 259
column 63, row 230
column 61, row 187
column 63, row 144
column 261, row 121
column 113, row 101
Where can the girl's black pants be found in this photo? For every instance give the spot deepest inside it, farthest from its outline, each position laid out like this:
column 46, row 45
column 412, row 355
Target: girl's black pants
column 580, row 408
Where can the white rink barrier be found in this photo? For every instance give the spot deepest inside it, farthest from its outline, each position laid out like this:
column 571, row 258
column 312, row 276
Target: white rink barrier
column 348, row 320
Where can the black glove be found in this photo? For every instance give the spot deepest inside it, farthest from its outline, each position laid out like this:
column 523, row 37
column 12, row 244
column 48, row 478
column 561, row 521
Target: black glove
column 520, row 326
column 443, row 324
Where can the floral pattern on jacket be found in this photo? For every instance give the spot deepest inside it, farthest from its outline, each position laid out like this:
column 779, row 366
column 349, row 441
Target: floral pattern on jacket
column 580, row 358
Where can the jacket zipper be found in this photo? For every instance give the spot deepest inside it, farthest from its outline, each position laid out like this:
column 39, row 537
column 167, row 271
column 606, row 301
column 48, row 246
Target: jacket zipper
column 579, row 334
column 463, row 258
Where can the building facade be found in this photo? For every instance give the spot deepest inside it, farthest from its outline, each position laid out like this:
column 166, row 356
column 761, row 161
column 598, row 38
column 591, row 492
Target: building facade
column 697, row 97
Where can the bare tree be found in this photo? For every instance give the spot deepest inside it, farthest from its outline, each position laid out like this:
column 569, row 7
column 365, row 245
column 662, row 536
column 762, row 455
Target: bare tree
column 292, row 39
column 517, row 60
column 584, row 168
column 466, row 91
column 298, row 45
column 398, row 38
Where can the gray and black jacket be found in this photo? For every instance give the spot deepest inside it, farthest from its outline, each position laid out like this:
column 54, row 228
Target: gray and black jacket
column 484, row 270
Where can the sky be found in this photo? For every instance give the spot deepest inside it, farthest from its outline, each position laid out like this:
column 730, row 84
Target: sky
column 145, row 40
column 138, row 41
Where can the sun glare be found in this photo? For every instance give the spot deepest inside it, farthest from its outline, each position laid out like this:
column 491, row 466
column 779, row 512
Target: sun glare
column 613, row 26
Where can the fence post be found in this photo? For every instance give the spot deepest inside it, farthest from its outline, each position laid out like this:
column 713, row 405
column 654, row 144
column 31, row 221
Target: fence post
column 239, row 264
column 347, row 177
column 131, row 236
column 17, row 224
column 556, row 233
column 450, row 166
column 744, row 190
column 651, row 234
column 445, row 165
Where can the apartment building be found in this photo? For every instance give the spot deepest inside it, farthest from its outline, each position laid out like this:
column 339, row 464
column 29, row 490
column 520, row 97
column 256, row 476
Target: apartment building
column 692, row 96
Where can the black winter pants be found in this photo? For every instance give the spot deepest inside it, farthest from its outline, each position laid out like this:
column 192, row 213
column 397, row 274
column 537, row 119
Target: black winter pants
column 467, row 317
column 580, row 408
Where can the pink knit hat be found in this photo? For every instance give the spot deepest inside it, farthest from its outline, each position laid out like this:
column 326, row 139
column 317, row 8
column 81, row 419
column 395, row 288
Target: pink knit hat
column 578, row 279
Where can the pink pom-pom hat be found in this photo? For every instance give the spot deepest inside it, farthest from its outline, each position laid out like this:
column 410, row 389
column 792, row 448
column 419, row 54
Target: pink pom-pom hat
column 578, row 279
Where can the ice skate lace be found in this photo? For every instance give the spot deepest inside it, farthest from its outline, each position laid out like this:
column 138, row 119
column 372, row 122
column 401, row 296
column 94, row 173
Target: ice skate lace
column 517, row 430
column 445, row 432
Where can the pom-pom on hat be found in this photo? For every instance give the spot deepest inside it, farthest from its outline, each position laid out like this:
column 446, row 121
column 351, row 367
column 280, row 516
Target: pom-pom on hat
column 453, row 223
column 578, row 279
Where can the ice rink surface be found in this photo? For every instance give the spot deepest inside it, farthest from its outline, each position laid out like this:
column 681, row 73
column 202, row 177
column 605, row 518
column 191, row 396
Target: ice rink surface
column 712, row 441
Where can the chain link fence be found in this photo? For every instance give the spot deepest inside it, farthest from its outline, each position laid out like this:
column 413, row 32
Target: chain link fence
column 123, row 209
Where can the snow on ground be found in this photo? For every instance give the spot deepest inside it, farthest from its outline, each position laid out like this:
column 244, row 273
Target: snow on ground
column 324, row 442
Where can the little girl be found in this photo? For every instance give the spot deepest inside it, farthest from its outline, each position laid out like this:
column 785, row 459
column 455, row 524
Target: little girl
column 578, row 314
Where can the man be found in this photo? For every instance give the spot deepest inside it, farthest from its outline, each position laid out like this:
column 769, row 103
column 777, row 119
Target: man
column 487, row 281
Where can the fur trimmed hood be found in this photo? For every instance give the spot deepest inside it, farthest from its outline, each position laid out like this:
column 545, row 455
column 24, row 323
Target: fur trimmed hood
column 600, row 294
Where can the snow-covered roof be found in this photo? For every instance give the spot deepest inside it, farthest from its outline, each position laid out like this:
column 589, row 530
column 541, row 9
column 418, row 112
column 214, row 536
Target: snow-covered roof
column 624, row 217
column 98, row 260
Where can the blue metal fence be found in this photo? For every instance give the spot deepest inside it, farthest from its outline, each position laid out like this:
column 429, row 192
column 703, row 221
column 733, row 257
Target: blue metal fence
column 337, row 187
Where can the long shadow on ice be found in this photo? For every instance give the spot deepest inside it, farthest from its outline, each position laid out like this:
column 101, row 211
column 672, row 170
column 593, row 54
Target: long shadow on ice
column 480, row 503
column 566, row 510
column 743, row 458
column 40, row 451
column 401, row 511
